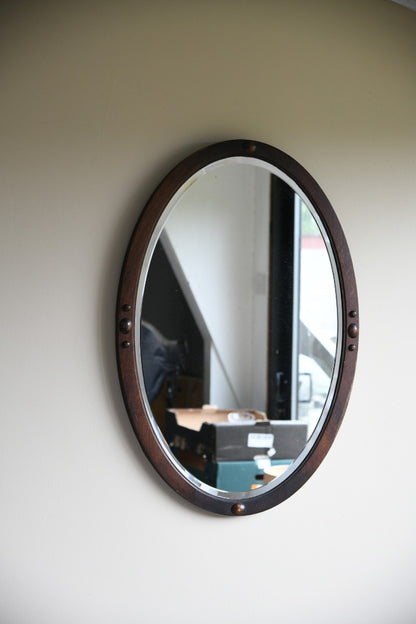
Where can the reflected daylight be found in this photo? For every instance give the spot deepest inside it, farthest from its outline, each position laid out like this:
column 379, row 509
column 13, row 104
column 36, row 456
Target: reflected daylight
column 238, row 325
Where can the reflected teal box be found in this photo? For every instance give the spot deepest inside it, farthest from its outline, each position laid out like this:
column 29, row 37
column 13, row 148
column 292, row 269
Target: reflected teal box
column 240, row 476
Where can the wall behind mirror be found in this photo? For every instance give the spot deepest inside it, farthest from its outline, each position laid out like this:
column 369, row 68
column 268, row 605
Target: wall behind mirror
column 96, row 105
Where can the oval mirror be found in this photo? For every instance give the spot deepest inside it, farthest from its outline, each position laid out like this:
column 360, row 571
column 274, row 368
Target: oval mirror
column 237, row 327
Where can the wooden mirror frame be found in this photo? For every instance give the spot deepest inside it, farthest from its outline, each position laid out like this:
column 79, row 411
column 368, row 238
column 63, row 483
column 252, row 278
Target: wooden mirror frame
column 134, row 395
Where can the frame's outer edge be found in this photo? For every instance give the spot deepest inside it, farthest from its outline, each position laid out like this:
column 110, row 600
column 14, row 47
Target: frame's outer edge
column 126, row 330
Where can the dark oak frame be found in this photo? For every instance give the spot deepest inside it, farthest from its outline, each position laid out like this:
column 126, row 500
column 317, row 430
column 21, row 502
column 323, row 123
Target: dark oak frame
column 133, row 393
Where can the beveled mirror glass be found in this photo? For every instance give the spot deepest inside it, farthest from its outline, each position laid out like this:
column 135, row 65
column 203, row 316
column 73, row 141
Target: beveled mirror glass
column 237, row 327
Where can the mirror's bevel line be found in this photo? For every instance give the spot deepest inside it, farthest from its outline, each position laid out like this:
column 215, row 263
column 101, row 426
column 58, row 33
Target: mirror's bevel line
column 126, row 306
column 233, row 495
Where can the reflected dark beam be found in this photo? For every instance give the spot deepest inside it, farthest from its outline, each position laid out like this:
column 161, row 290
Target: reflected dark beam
column 282, row 286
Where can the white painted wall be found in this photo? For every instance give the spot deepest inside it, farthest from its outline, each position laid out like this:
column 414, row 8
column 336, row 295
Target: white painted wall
column 98, row 101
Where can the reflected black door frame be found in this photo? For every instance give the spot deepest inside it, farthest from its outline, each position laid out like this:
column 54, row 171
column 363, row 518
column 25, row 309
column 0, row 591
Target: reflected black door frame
column 283, row 330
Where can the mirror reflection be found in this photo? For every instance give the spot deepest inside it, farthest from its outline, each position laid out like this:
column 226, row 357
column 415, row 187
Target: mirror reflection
column 238, row 327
